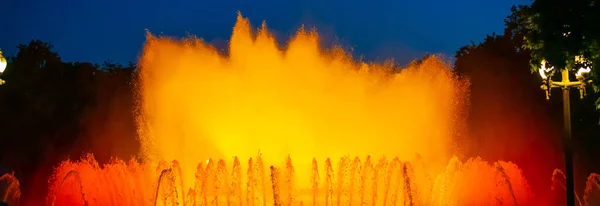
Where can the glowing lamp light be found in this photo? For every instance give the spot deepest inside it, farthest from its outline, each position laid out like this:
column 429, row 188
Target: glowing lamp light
column 3, row 63
column 583, row 71
column 543, row 70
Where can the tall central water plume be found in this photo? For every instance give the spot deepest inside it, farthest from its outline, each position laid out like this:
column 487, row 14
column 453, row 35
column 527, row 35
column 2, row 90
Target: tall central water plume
column 301, row 101
column 262, row 107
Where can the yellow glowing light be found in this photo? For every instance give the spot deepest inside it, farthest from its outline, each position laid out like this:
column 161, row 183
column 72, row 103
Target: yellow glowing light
column 579, row 59
column 3, row 63
column 543, row 70
column 301, row 101
column 198, row 106
column 583, row 71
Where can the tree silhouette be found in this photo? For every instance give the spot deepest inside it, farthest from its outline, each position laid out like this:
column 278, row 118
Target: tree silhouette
column 560, row 30
column 509, row 117
column 53, row 110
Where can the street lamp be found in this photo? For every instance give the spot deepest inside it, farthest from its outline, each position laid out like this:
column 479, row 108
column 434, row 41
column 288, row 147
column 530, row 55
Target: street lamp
column 565, row 84
column 3, row 64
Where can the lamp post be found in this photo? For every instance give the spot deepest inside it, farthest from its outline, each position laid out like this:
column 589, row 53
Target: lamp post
column 565, row 84
column 3, row 64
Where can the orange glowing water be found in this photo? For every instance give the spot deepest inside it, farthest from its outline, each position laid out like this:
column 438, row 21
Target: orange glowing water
column 302, row 101
column 380, row 181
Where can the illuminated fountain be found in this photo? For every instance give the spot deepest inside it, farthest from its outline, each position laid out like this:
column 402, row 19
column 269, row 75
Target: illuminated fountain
column 250, row 109
column 372, row 181
column 10, row 189
column 592, row 190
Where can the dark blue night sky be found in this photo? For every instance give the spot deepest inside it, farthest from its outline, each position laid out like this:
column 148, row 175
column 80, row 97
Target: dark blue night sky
column 90, row 30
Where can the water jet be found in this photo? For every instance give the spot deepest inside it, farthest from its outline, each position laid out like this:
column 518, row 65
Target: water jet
column 312, row 105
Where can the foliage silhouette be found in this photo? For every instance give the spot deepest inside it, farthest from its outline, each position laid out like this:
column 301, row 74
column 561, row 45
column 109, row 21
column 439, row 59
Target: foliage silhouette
column 509, row 117
column 52, row 110
column 557, row 31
